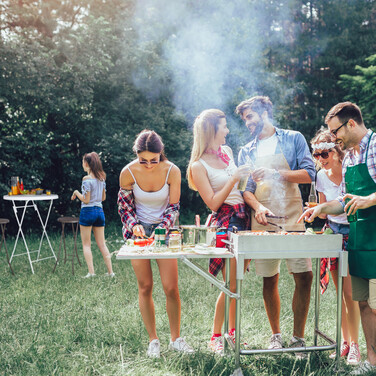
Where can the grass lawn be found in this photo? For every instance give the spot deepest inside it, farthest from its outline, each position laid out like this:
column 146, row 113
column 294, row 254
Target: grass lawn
column 59, row 324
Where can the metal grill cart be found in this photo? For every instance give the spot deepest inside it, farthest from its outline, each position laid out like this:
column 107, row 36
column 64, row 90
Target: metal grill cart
column 247, row 245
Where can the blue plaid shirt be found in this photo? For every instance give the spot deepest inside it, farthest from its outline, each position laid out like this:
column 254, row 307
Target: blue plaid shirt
column 293, row 146
column 352, row 160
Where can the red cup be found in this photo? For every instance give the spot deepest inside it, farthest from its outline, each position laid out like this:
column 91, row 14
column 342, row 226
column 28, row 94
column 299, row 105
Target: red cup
column 219, row 240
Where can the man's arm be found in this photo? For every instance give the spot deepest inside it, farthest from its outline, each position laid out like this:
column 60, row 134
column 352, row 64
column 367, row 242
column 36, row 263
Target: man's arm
column 330, row 207
column 305, row 171
column 359, row 202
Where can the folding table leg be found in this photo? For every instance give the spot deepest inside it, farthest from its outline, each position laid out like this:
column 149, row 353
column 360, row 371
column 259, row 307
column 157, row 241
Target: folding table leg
column 237, row 323
column 227, row 303
column 44, row 232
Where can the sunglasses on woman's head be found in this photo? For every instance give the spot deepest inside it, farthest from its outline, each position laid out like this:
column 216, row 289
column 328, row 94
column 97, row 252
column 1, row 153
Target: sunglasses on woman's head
column 323, row 154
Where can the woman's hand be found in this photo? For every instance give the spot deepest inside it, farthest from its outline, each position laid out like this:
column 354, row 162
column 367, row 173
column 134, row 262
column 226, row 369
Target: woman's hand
column 241, row 172
column 139, row 231
column 74, row 195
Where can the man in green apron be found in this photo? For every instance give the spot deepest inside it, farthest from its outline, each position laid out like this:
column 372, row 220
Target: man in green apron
column 358, row 200
column 282, row 160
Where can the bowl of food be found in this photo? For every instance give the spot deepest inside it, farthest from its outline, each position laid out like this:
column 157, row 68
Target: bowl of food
column 38, row 191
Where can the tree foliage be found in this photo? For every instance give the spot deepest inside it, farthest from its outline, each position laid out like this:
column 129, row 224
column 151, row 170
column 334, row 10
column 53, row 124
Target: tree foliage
column 84, row 75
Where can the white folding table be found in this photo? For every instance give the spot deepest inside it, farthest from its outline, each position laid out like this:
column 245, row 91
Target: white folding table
column 186, row 255
column 20, row 204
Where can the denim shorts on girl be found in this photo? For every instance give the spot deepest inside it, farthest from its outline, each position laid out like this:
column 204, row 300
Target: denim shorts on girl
column 92, row 216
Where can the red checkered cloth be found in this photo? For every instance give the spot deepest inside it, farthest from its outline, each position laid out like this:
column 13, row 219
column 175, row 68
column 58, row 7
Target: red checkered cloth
column 329, row 264
column 221, row 219
column 128, row 215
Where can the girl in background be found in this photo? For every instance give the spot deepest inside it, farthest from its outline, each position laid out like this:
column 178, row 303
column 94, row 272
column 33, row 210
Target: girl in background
column 148, row 199
column 329, row 158
column 92, row 216
column 213, row 173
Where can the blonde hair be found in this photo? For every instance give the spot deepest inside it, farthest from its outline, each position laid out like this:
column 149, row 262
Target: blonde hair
column 323, row 135
column 205, row 128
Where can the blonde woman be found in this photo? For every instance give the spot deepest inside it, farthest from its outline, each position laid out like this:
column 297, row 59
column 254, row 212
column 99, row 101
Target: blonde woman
column 328, row 157
column 213, row 173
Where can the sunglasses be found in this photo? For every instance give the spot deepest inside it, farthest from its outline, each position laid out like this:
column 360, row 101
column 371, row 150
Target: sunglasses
column 153, row 161
column 323, row 154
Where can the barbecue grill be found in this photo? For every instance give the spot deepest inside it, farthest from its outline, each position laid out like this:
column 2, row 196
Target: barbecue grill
column 255, row 245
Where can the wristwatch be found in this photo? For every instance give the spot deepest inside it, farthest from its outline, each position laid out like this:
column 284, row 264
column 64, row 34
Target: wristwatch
column 276, row 175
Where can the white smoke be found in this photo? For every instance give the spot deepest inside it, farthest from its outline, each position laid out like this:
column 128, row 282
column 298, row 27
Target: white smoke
column 208, row 50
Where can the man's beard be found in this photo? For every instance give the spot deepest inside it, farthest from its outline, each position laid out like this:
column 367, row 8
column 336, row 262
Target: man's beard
column 258, row 129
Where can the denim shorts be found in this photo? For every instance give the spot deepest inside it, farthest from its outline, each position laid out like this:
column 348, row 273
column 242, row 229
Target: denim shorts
column 92, row 216
column 237, row 222
column 149, row 227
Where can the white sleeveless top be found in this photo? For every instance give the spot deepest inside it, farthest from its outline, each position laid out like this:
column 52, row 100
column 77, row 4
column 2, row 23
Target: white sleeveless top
column 218, row 177
column 331, row 191
column 151, row 205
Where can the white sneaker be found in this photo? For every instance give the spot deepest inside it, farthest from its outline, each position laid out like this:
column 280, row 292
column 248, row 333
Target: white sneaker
column 353, row 359
column 216, row 345
column 180, row 345
column 154, row 349
column 276, row 341
column 298, row 342
column 112, row 275
column 89, row 275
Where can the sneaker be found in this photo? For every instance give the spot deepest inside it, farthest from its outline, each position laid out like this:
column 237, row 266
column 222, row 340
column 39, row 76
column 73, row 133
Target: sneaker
column 154, row 349
column 231, row 334
column 298, row 342
column 345, row 348
column 365, row 368
column 180, row 345
column 216, row 345
column 353, row 358
column 112, row 275
column 89, row 275
column 276, row 341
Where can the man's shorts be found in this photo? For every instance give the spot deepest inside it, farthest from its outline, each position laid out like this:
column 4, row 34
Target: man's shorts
column 364, row 289
column 92, row 216
column 271, row 267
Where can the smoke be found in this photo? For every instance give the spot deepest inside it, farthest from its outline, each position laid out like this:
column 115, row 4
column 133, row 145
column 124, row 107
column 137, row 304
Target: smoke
column 210, row 53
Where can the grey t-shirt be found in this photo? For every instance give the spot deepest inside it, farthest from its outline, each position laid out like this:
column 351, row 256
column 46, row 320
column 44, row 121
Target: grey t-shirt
column 95, row 187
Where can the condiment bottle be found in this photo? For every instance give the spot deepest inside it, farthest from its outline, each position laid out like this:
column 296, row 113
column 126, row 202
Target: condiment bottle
column 312, row 198
column 22, row 185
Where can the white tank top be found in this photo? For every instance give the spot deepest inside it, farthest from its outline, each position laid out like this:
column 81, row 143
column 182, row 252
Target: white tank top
column 218, row 177
column 151, row 205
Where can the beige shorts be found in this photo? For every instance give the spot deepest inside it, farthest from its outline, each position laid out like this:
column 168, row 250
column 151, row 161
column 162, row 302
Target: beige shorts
column 364, row 290
column 271, row 267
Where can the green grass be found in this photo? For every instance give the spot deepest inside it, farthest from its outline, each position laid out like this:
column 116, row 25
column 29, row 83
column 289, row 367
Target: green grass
column 59, row 324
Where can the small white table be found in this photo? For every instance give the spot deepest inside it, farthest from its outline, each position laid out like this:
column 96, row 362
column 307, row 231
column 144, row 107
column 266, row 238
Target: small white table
column 30, row 201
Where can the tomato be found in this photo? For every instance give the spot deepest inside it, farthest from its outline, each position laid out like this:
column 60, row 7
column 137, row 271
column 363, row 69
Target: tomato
column 143, row 242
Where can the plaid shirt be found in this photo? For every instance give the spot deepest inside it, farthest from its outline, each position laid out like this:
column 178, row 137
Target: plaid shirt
column 221, row 218
column 352, row 160
column 128, row 216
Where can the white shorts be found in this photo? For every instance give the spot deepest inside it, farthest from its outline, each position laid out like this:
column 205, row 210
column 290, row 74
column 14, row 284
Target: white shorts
column 271, row 267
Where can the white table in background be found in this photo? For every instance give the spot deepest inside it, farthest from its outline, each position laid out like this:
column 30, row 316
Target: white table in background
column 20, row 204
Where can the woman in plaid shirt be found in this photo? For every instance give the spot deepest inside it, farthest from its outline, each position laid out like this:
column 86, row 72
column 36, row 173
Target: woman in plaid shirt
column 149, row 198
column 213, row 173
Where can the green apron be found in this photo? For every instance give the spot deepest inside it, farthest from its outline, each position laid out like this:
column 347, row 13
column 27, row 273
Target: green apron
column 362, row 237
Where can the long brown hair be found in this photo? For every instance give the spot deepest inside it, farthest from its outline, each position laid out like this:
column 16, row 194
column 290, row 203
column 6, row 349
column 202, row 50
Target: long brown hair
column 95, row 165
